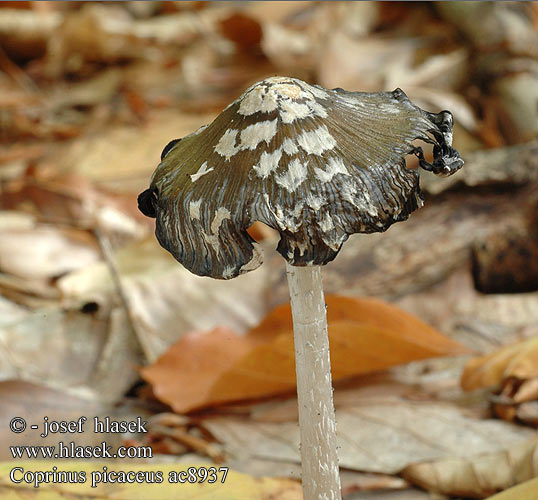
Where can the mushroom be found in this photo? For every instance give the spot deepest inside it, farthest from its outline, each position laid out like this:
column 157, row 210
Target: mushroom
column 316, row 165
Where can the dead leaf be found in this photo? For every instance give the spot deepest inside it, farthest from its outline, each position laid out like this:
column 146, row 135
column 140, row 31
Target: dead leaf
column 287, row 48
column 480, row 476
column 512, row 372
column 208, row 354
column 70, row 199
column 494, row 24
column 44, row 252
column 236, row 486
column 363, row 64
column 523, row 491
column 122, row 158
column 366, row 335
column 34, row 401
column 518, row 360
column 169, row 426
column 243, row 30
column 376, row 433
column 164, row 299
column 94, row 353
column 276, row 13
column 516, row 95
column 507, row 261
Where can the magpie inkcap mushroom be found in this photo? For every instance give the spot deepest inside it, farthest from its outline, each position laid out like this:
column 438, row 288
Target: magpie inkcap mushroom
column 316, row 165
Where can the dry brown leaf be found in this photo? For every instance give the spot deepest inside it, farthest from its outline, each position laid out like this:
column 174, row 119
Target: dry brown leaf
column 480, row 476
column 494, row 24
column 95, row 353
column 516, row 96
column 205, row 353
column 366, row 64
column 376, row 432
column 243, row 30
column 34, row 401
column 45, row 252
column 70, row 199
column 513, row 372
column 518, row 360
column 122, row 158
column 366, row 335
column 276, row 12
column 164, row 299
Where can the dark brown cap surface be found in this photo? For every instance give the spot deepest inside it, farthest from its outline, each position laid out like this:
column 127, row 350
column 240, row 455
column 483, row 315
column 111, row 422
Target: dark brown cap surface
column 317, row 165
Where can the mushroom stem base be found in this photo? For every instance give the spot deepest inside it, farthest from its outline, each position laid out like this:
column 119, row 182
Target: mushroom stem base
column 317, row 423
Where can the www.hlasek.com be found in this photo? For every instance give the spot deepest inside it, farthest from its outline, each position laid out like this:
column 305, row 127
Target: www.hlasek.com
column 72, row 450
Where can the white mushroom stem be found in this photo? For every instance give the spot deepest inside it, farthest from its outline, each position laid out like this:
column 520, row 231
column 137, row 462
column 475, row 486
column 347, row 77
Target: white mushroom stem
column 317, row 423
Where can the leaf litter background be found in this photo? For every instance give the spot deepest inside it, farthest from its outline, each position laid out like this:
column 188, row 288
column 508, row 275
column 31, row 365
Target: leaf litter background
column 96, row 319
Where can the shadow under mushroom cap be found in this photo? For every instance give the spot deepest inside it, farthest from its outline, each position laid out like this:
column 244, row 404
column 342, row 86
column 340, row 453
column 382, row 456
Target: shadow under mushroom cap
column 316, row 165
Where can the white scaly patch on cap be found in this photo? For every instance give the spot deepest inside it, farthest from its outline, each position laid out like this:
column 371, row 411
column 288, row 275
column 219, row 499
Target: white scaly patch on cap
column 220, row 215
column 259, row 99
column 228, row 272
column 226, row 146
column 292, row 110
column 268, row 163
column 201, row 171
column 299, row 245
column 333, row 166
column 294, row 177
column 212, row 238
column 285, row 221
column 194, row 209
column 252, row 135
column 317, row 141
column 314, row 202
column 362, row 202
column 326, row 223
column 283, row 94
column 251, row 101
column 288, row 89
column 289, row 147
column 255, row 262
column 317, row 109
column 297, row 209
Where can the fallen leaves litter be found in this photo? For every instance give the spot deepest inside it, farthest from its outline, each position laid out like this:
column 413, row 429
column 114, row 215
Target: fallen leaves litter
column 165, row 300
column 512, row 372
column 376, row 433
column 92, row 93
column 91, row 352
column 518, row 360
column 523, row 491
column 236, row 486
column 366, row 335
column 33, row 401
column 480, row 476
column 45, row 251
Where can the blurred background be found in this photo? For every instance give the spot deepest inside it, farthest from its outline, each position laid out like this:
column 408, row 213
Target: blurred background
column 91, row 92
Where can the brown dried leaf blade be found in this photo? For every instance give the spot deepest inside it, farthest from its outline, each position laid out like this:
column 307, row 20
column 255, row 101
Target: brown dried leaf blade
column 366, row 335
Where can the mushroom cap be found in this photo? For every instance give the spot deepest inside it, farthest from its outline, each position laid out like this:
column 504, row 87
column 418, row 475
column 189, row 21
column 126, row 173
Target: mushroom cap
column 316, row 165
